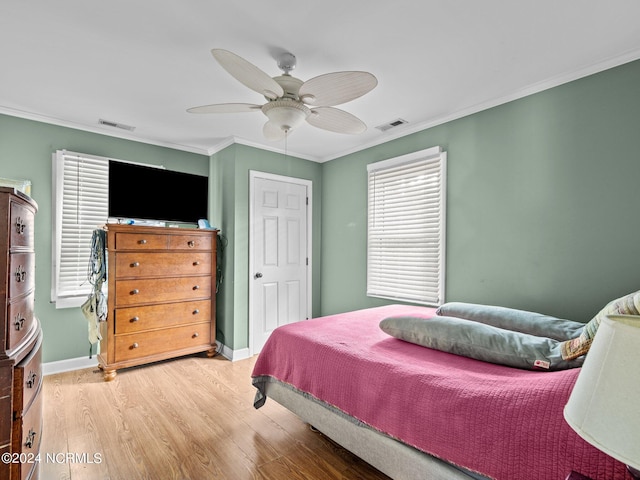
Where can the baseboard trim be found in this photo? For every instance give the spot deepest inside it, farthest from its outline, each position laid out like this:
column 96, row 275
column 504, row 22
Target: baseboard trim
column 233, row 355
column 69, row 365
column 61, row 366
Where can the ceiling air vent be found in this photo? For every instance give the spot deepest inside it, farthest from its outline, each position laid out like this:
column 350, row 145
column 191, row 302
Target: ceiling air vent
column 395, row 123
column 122, row 126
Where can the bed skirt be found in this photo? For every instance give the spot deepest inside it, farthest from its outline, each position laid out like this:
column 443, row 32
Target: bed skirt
column 391, row 457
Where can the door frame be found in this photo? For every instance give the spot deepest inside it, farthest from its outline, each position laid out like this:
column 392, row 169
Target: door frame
column 253, row 175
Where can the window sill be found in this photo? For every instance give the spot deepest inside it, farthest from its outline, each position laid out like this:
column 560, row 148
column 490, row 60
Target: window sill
column 70, row 302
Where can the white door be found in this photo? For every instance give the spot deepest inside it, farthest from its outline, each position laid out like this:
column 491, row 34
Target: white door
column 279, row 260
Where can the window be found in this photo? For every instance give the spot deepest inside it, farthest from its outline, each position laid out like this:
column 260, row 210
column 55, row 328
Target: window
column 80, row 194
column 406, row 227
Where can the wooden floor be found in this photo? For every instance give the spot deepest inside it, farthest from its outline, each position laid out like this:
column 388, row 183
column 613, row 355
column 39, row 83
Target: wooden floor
column 189, row 418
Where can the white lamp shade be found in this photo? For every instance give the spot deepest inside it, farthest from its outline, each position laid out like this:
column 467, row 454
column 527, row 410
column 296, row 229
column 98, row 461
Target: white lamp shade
column 285, row 113
column 604, row 406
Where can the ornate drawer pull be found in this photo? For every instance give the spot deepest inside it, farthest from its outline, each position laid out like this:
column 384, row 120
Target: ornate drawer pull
column 135, row 264
column 135, row 345
column 196, row 263
column 19, row 322
column 134, row 319
column 20, row 226
column 21, row 274
column 196, row 311
column 191, row 243
column 31, row 437
column 142, row 242
column 31, row 380
column 196, row 287
column 135, row 291
column 196, row 335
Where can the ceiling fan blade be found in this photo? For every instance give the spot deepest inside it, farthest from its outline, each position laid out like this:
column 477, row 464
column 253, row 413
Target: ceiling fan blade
column 225, row 108
column 273, row 132
column 336, row 120
column 248, row 74
column 336, row 88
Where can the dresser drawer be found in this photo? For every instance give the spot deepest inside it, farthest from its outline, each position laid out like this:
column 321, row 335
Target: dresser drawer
column 191, row 242
column 155, row 290
column 31, row 427
column 27, row 379
column 21, row 273
column 135, row 319
column 5, row 405
column 138, row 345
column 21, row 226
column 19, row 320
column 147, row 264
column 141, row 241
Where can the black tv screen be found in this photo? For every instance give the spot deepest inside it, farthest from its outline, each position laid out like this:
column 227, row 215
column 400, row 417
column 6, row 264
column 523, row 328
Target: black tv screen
column 148, row 193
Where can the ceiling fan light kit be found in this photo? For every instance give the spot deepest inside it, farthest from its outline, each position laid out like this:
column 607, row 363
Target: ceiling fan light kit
column 287, row 96
column 285, row 114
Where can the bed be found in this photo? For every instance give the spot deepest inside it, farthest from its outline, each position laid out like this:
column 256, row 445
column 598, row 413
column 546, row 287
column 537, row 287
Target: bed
column 417, row 413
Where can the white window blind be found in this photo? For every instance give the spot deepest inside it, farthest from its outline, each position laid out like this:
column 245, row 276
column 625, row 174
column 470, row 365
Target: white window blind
column 81, row 195
column 406, row 227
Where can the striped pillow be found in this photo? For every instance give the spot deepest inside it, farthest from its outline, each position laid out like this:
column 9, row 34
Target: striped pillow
column 627, row 305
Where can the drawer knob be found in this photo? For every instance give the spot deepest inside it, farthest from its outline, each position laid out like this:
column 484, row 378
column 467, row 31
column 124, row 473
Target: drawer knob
column 191, row 243
column 135, row 291
column 196, row 287
column 31, row 379
column 134, row 319
column 142, row 242
column 196, row 311
column 19, row 226
column 196, row 263
column 196, row 335
column 135, row 264
column 19, row 322
column 31, row 437
column 135, row 345
column 21, row 274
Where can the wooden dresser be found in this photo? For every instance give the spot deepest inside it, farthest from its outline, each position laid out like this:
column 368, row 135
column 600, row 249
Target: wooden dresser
column 21, row 346
column 161, row 295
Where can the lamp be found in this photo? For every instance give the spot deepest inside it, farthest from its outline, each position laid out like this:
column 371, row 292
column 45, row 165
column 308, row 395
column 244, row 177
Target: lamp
column 603, row 407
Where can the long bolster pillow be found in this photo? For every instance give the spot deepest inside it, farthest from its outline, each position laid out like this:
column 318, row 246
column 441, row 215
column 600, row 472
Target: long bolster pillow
column 480, row 341
column 515, row 320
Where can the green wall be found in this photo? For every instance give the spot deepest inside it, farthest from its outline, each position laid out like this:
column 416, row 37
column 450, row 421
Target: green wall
column 541, row 207
column 25, row 153
column 230, row 172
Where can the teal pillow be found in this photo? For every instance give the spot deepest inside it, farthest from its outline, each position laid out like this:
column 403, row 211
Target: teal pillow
column 513, row 319
column 480, row 341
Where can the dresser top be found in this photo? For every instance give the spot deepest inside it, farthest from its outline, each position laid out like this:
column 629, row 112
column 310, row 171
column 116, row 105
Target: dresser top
column 19, row 194
column 117, row 227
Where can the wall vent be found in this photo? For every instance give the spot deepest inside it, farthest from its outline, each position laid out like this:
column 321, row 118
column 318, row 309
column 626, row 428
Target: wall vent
column 395, row 123
column 122, row 126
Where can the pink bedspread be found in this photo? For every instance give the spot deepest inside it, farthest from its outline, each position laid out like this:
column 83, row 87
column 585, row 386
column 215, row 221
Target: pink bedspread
column 502, row 422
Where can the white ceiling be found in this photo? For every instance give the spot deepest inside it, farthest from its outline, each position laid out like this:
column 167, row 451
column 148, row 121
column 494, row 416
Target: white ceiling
column 143, row 63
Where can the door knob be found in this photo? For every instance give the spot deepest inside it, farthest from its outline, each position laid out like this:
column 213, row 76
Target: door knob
column 257, row 275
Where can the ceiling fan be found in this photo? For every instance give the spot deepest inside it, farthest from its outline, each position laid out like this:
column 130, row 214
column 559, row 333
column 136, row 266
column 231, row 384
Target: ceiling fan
column 290, row 101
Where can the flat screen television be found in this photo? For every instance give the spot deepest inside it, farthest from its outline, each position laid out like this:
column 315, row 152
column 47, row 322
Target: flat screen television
column 139, row 192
